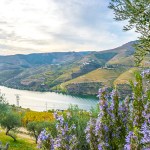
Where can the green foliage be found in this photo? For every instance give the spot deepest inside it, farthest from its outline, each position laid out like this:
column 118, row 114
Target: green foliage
column 80, row 119
column 140, row 98
column 94, row 111
column 3, row 105
column 137, row 13
column 35, row 128
column 11, row 121
column 8, row 119
column 70, row 125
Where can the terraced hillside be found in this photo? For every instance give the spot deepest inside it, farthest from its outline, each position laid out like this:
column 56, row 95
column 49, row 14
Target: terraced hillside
column 90, row 82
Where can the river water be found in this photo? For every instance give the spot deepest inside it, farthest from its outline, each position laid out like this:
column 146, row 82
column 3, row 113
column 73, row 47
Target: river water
column 42, row 101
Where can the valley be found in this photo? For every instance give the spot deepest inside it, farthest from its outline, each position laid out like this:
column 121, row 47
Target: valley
column 70, row 72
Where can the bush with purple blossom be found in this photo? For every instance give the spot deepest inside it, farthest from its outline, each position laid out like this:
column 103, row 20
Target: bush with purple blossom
column 121, row 124
column 140, row 113
column 65, row 138
column 108, row 130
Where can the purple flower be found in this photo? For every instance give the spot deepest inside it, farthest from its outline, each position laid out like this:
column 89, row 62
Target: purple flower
column 101, row 91
column 57, row 143
column 113, row 94
column 114, row 100
column 131, row 141
column 60, row 119
column 145, row 73
column 42, row 137
column 146, row 133
column 55, row 115
column 98, row 126
column 128, row 141
column 100, row 147
column 66, row 128
column 106, row 128
column 127, row 147
column 89, row 129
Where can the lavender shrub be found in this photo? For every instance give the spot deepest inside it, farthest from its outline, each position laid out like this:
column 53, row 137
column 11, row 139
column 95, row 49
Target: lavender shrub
column 140, row 112
column 109, row 129
column 122, row 124
column 65, row 137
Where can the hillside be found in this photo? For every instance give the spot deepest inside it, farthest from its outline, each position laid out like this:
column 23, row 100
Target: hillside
column 69, row 72
column 126, row 76
column 90, row 82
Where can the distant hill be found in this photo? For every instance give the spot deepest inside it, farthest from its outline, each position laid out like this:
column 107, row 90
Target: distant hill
column 32, row 60
column 70, row 72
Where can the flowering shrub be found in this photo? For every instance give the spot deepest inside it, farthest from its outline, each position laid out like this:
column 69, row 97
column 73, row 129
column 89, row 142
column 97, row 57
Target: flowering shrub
column 108, row 130
column 42, row 139
column 122, row 124
column 140, row 111
column 65, row 137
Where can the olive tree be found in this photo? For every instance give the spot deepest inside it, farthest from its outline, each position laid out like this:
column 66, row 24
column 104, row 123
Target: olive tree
column 35, row 128
column 10, row 121
column 3, row 110
column 137, row 13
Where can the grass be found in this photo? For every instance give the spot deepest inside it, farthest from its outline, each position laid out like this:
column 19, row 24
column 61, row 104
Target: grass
column 22, row 143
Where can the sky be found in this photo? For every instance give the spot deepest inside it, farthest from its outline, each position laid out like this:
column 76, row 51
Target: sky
column 38, row 26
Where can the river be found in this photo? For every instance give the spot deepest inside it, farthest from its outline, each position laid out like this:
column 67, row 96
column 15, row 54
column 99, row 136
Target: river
column 42, row 101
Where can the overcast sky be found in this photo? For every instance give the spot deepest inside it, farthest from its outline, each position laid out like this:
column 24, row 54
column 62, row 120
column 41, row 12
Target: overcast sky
column 31, row 26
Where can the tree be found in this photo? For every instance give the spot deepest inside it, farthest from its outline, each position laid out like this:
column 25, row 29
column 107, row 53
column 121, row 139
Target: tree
column 137, row 13
column 36, row 127
column 10, row 121
column 3, row 109
column 3, row 105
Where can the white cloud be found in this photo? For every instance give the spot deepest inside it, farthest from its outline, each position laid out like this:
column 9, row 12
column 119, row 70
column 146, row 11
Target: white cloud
column 28, row 26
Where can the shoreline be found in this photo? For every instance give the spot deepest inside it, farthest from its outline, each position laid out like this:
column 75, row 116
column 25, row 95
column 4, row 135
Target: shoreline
column 45, row 91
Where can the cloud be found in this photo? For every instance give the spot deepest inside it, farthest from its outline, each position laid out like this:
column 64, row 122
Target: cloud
column 28, row 26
